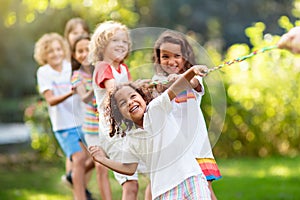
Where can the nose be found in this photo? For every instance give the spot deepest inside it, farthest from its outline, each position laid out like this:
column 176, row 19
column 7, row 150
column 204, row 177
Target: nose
column 171, row 61
column 85, row 53
column 56, row 52
column 120, row 43
column 130, row 102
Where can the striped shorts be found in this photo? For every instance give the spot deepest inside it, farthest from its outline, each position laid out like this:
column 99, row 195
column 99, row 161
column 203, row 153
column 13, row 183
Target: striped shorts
column 192, row 188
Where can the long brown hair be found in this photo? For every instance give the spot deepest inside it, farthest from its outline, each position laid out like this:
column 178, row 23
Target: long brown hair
column 173, row 37
column 75, row 64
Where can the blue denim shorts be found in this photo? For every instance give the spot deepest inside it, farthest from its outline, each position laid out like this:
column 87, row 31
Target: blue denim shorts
column 68, row 140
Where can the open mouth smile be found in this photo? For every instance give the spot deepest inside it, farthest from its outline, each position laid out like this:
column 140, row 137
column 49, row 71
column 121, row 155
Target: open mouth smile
column 133, row 109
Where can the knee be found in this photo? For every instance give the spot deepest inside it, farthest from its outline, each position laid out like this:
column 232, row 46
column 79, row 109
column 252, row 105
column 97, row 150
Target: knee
column 101, row 169
column 79, row 158
column 130, row 187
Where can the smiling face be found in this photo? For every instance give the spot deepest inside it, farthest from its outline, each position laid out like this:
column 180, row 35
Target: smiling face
column 131, row 104
column 82, row 51
column 171, row 59
column 117, row 48
column 55, row 54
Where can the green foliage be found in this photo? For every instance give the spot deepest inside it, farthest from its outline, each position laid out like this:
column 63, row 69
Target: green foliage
column 12, row 111
column 263, row 100
column 262, row 92
column 97, row 11
column 42, row 138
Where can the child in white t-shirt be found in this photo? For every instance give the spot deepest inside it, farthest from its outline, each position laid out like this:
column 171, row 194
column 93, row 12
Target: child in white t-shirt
column 82, row 80
column 173, row 55
column 109, row 47
column 157, row 142
column 54, row 82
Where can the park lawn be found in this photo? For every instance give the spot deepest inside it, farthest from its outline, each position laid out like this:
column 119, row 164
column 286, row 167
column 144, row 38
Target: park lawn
column 259, row 178
column 243, row 178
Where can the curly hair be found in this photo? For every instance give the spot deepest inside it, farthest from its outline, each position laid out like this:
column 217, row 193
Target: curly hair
column 173, row 37
column 118, row 123
column 42, row 46
column 71, row 25
column 101, row 37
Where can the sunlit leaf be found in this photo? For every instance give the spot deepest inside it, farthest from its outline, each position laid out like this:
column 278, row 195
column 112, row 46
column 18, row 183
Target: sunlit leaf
column 10, row 19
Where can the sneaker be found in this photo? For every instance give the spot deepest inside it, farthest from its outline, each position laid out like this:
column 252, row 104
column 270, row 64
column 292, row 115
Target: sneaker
column 67, row 179
column 88, row 195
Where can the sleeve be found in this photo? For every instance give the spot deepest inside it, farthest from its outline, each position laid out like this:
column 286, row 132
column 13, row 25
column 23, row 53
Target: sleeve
column 76, row 78
column 200, row 79
column 102, row 72
column 44, row 83
column 157, row 112
column 161, row 102
column 129, row 155
column 128, row 73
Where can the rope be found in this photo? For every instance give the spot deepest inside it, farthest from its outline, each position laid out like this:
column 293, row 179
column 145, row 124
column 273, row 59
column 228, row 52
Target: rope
column 228, row 63
column 242, row 58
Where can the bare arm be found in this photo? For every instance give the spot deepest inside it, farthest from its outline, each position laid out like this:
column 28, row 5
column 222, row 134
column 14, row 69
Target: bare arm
column 99, row 156
column 194, row 82
column 196, row 85
column 109, row 84
column 53, row 100
column 85, row 95
column 183, row 82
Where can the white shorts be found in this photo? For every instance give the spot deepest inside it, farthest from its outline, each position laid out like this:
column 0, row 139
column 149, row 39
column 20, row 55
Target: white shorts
column 121, row 178
column 92, row 140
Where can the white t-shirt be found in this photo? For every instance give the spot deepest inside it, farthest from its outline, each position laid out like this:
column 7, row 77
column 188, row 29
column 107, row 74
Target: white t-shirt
column 163, row 146
column 182, row 105
column 105, row 71
column 67, row 114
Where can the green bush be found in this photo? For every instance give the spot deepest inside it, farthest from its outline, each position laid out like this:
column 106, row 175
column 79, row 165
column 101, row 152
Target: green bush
column 263, row 102
column 42, row 138
column 262, row 95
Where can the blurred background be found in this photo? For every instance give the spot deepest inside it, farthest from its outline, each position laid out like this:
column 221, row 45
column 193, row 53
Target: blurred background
column 262, row 93
column 262, row 115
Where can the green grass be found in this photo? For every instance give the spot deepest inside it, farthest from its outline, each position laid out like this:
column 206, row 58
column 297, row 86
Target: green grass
column 243, row 178
column 261, row 178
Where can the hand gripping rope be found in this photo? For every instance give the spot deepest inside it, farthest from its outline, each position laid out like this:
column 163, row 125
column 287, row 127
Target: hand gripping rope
column 227, row 63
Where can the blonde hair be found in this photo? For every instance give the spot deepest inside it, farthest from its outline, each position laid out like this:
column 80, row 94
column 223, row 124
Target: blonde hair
column 42, row 46
column 101, row 37
column 72, row 23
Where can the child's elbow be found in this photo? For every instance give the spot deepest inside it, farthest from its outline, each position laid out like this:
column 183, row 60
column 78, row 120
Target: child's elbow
column 131, row 169
column 85, row 100
column 131, row 173
column 52, row 103
column 128, row 173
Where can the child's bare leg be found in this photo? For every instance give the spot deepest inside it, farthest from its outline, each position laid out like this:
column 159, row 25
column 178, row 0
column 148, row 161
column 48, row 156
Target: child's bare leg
column 213, row 196
column 148, row 194
column 103, row 181
column 78, row 175
column 130, row 190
